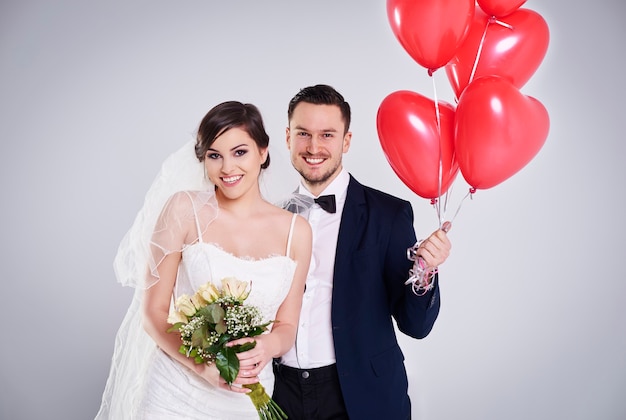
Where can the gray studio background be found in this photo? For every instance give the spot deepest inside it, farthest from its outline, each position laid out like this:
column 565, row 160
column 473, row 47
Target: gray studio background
column 94, row 95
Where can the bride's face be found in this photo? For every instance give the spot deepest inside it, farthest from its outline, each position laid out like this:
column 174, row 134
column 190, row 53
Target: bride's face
column 233, row 163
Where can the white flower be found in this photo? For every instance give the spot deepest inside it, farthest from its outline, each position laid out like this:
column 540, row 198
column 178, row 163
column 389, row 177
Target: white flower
column 241, row 319
column 235, row 288
column 198, row 301
column 185, row 305
column 209, row 292
column 176, row 317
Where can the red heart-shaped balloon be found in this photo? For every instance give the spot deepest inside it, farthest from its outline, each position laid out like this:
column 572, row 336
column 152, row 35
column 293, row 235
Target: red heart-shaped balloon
column 413, row 145
column 498, row 130
column 430, row 30
column 500, row 8
column 513, row 52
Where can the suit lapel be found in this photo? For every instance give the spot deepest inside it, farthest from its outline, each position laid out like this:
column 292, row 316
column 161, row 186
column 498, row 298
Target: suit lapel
column 351, row 230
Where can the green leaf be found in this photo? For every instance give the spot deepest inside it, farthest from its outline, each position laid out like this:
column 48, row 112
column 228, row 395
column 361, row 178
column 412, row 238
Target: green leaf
column 221, row 341
column 213, row 313
column 225, row 338
column 198, row 336
column 240, row 348
column 220, row 327
column 259, row 329
column 213, row 349
column 256, row 331
column 228, row 364
column 175, row 327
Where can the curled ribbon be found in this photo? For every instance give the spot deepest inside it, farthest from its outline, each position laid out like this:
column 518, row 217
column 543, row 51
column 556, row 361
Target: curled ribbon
column 419, row 276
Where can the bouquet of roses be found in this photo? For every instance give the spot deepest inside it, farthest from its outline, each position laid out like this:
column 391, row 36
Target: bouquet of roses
column 211, row 318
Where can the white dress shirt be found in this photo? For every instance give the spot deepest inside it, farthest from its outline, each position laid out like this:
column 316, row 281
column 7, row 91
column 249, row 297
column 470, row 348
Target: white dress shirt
column 314, row 345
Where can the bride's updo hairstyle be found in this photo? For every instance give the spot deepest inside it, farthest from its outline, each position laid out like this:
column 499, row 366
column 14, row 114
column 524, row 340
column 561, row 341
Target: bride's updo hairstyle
column 227, row 115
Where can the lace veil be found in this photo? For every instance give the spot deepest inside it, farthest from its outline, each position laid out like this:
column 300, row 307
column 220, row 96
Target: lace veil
column 297, row 203
column 177, row 208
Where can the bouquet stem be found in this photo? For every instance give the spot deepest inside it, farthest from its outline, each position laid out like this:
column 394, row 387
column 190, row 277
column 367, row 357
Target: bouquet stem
column 265, row 406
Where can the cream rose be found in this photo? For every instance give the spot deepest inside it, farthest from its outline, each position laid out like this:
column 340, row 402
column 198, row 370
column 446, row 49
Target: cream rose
column 185, row 305
column 209, row 292
column 235, row 288
column 177, row 316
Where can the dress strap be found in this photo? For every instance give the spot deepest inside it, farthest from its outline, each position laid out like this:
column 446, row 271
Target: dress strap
column 195, row 215
column 293, row 222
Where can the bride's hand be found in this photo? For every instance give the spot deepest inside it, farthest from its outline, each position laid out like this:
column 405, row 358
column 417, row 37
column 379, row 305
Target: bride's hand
column 252, row 362
column 210, row 374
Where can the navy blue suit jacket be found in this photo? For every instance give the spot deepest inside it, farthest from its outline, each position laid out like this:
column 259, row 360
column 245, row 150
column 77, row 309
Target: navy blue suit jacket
column 368, row 290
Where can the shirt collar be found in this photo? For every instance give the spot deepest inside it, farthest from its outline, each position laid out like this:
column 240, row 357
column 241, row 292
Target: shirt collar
column 338, row 186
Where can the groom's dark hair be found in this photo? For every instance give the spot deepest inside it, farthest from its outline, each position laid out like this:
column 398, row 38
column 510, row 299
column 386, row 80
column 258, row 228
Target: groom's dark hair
column 321, row 95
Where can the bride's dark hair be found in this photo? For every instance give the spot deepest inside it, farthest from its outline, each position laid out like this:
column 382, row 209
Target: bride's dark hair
column 227, row 115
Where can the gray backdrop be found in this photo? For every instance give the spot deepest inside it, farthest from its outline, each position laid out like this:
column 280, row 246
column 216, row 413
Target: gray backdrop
column 94, row 95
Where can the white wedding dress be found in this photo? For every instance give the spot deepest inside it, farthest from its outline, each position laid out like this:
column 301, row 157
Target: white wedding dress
column 163, row 389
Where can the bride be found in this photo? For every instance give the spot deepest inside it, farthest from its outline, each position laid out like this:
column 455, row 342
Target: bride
column 204, row 219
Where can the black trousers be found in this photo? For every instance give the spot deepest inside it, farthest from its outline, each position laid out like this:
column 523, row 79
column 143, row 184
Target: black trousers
column 309, row 394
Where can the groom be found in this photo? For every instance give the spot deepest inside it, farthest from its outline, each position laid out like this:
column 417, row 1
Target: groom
column 346, row 362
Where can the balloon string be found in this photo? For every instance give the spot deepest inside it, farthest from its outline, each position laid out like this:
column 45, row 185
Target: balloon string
column 437, row 202
column 447, row 194
column 480, row 50
column 469, row 194
column 499, row 22
column 492, row 19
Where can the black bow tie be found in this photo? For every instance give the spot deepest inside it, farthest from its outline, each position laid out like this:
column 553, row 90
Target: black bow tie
column 327, row 202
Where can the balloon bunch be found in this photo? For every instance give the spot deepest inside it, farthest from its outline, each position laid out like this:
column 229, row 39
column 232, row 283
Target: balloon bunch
column 490, row 49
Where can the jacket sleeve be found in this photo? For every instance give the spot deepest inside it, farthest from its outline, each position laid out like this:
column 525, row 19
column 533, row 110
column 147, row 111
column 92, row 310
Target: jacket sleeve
column 414, row 315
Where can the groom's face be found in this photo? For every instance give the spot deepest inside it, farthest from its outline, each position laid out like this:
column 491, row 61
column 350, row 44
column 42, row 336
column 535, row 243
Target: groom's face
column 317, row 140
